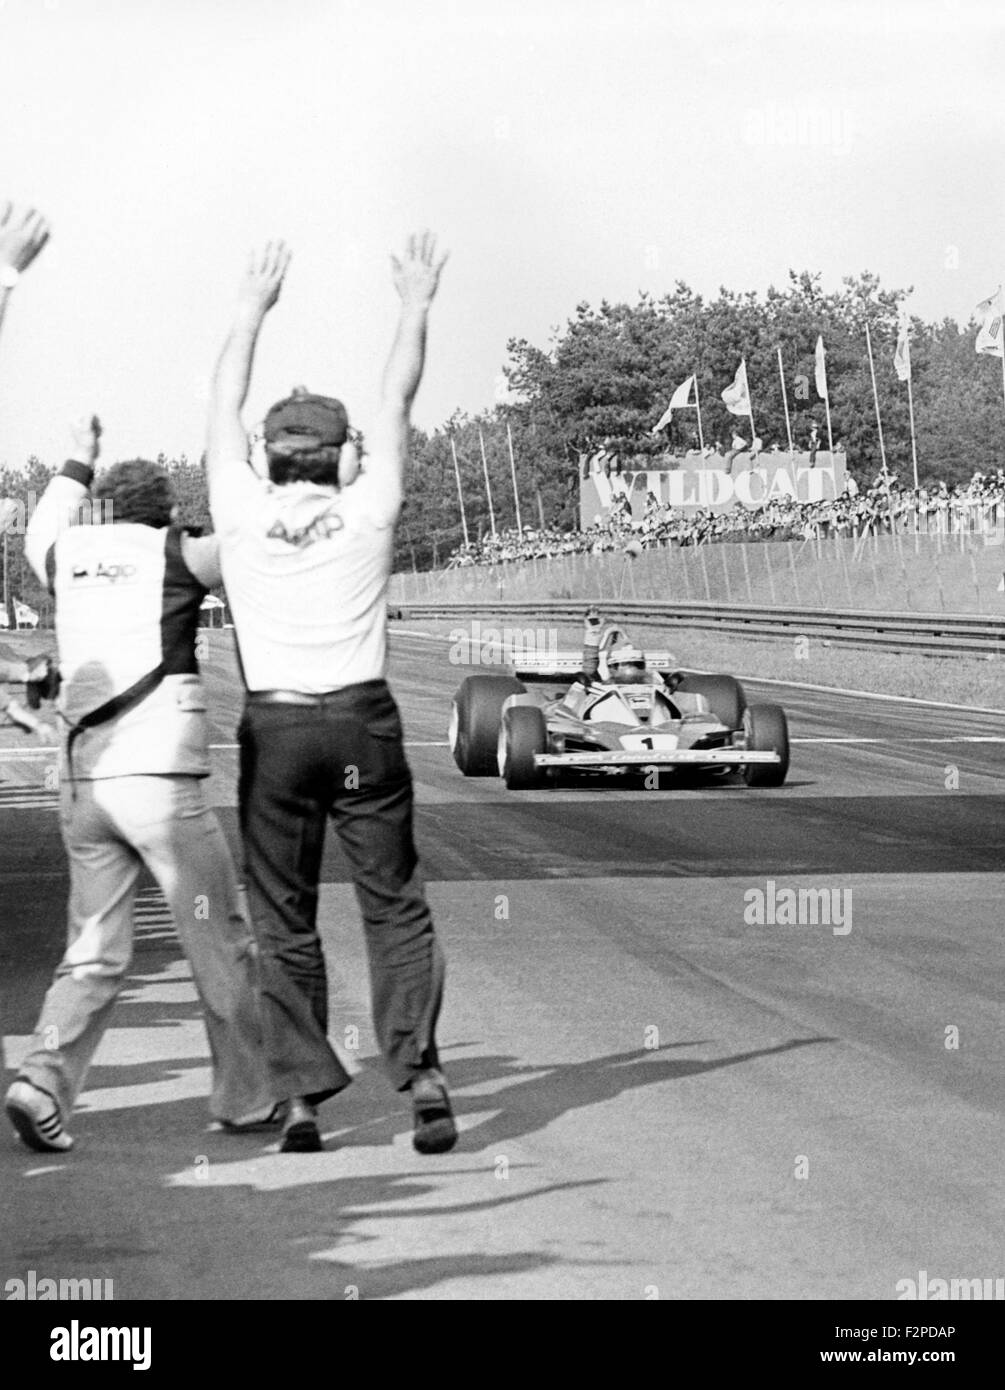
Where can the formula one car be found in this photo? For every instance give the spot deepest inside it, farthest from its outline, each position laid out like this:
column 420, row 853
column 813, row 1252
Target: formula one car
column 635, row 715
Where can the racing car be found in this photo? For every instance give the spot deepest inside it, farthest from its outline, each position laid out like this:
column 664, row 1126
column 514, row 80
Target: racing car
column 630, row 714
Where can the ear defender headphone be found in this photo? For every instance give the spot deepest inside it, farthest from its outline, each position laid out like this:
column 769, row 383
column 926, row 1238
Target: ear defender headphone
column 258, row 458
column 349, row 463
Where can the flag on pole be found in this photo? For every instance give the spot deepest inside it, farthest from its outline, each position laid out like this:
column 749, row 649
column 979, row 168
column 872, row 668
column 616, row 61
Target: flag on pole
column 989, row 335
column 25, row 616
column 902, row 356
column 680, row 400
column 736, row 398
column 821, row 368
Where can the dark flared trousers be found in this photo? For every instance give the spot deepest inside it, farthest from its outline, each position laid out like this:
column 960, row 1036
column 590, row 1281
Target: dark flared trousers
column 341, row 758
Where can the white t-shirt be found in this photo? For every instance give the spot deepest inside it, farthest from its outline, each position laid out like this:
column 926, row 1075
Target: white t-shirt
column 306, row 570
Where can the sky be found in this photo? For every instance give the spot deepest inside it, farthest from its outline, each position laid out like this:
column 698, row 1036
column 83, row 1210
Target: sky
column 562, row 150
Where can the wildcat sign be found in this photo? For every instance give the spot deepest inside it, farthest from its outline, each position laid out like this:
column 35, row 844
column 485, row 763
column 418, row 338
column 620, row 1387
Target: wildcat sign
column 713, row 488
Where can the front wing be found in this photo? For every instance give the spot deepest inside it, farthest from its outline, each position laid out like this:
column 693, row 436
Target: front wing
column 678, row 757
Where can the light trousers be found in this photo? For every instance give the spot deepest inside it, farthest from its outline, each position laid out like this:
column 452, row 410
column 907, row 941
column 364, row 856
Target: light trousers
column 112, row 827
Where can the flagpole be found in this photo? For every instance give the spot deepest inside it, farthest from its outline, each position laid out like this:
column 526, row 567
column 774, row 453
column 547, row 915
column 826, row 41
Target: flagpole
column 879, row 427
column 460, row 494
column 914, row 447
column 830, row 437
column 875, row 395
column 512, row 464
column 488, row 489
column 697, row 406
column 827, row 396
column 902, row 360
column 785, row 402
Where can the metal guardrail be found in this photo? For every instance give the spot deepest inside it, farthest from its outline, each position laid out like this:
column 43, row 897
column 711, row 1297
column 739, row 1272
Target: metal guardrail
column 939, row 634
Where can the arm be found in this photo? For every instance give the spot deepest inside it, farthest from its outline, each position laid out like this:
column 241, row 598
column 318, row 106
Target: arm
column 227, row 443
column 59, row 505
column 591, row 647
column 416, row 277
column 23, row 233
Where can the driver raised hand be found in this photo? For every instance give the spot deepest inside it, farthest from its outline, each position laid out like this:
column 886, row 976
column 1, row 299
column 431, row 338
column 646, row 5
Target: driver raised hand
column 591, row 645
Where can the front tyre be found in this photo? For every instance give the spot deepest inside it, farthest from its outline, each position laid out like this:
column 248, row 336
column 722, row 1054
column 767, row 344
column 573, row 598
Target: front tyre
column 522, row 734
column 767, row 731
column 474, row 722
column 723, row 693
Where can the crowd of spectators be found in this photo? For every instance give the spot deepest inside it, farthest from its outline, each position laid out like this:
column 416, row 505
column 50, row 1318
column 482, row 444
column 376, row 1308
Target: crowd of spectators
column 885, row 508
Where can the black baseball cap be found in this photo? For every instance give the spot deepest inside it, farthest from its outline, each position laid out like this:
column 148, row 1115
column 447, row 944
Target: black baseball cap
column 306, row 421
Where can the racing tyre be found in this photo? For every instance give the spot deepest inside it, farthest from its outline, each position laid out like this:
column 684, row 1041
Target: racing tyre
column 522, row 734
column 767, row 731
column 723, row 693
column 474, row 722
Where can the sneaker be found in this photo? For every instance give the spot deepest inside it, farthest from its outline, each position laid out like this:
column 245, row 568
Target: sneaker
column 300, row 1129
column 434, row 1129
column 35, row 1115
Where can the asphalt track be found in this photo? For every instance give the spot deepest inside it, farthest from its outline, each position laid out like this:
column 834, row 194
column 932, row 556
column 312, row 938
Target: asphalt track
column 657, row 1098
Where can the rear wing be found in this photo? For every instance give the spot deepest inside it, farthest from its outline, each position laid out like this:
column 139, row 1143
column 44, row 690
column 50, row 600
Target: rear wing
column 544, row 666
column 547, row 666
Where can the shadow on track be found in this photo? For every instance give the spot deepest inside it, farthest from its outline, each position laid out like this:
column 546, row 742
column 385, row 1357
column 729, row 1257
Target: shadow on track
column 170, row 1209
column 536, row 1096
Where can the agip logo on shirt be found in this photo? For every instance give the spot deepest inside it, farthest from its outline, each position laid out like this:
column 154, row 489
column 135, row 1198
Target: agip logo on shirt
column 318, row 528
column 103, row 572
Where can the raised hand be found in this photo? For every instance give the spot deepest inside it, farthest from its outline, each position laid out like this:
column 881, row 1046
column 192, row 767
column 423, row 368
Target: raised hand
column 417, row 274
column 23, row 233
column 263, row 280
column 86, row 432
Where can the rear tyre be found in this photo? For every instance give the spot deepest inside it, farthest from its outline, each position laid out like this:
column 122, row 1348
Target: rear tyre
column 522, row 734
column 767, row 731
column 474, row 722
column 723, row 693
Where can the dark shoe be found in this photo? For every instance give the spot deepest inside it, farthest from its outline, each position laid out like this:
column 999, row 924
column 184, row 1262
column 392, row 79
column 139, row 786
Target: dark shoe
column 300, row 1129
column 35, row 1115
column 254, row 1124
column 435, row 1131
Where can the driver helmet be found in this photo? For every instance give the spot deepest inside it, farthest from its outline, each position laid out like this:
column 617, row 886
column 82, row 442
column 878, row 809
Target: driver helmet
column 626, row 665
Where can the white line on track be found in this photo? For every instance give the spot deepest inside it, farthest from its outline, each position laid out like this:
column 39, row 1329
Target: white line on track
column 872, row 695
column 16, row 755
column 895, row 742
column 409, row 743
